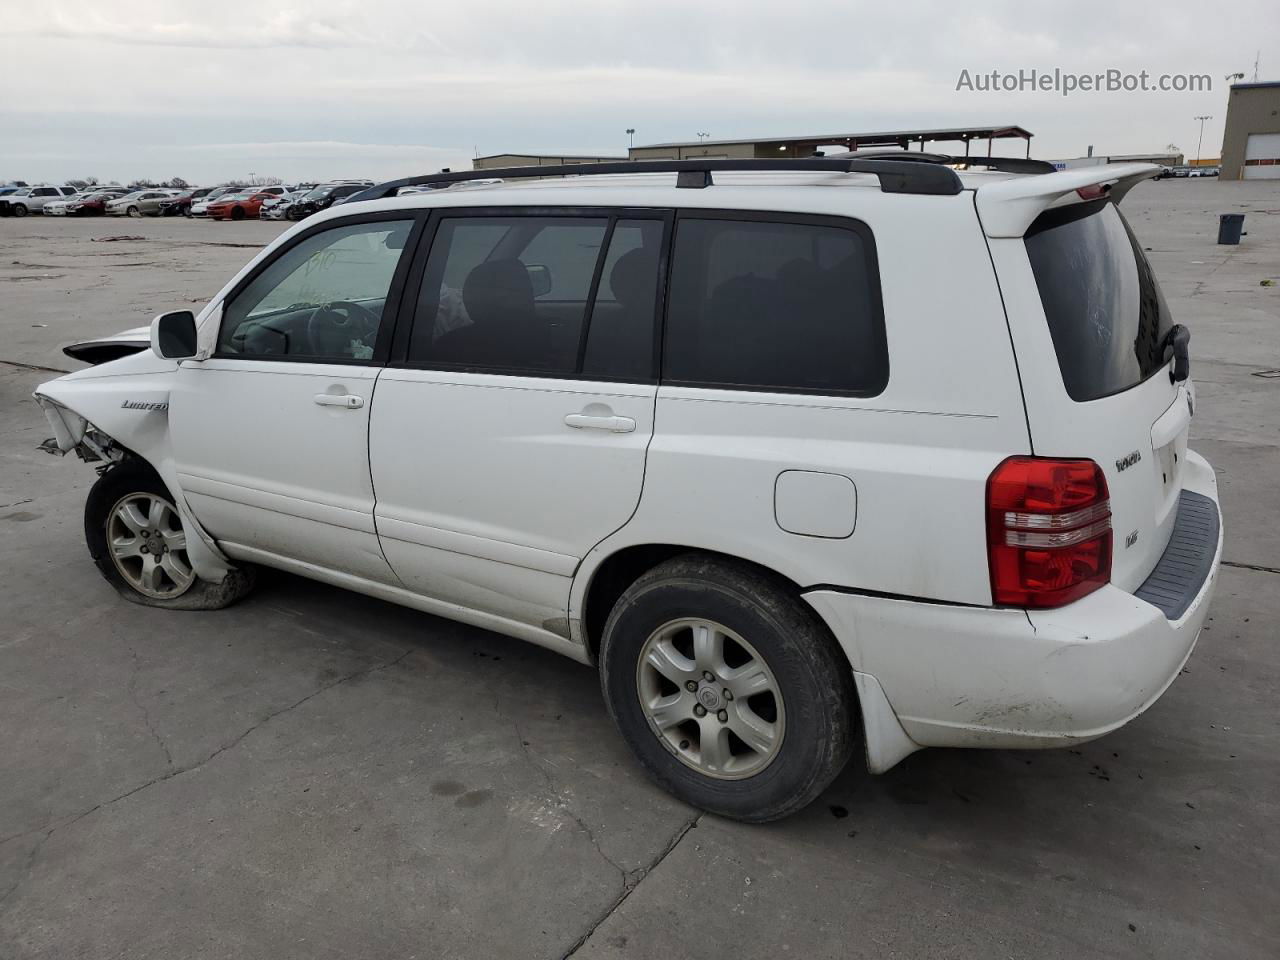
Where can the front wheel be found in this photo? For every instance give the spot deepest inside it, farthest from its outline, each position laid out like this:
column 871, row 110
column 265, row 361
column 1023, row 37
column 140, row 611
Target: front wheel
column 19, row 210
column 731, row 693
column 137, row 540
column 134, row 212
column 237, row 213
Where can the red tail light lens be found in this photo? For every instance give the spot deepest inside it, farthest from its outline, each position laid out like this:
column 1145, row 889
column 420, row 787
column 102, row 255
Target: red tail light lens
column 1048, row 531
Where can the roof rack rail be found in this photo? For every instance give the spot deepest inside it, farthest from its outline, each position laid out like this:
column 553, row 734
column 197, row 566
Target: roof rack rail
column 895, row 174
column 1003, row 164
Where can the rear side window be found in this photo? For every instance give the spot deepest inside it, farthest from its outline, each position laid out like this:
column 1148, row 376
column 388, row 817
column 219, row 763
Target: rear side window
column 1106, row 314
column 775, row 304
column 507, row 293
column 567, row 296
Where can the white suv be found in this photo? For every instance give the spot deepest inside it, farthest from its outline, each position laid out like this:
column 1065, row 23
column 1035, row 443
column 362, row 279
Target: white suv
column 825, row 455
column 32, row 200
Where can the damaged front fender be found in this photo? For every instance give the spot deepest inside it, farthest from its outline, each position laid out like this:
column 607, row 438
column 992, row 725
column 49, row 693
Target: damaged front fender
column 108, row 412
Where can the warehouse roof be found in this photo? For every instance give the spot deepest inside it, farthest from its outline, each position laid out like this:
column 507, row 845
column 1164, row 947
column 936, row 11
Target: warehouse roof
column 887, row 136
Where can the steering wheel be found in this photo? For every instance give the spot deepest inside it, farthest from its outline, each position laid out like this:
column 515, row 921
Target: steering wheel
column 333, row 325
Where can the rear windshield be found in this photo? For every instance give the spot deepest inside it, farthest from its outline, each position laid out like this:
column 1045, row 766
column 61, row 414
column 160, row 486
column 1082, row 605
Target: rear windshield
column 1106, row 314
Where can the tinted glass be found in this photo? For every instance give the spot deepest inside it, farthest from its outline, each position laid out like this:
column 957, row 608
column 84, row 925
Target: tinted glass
column 507, row 293
column 321, row 299
column 620, row 341
column 775, row 306
column 1106, row 314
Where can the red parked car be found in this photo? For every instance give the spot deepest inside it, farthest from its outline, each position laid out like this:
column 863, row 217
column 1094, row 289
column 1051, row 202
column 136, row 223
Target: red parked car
column 238, row 206
column 93, row 205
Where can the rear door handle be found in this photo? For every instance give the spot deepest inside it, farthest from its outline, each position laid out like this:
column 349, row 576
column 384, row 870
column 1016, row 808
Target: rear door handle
column 584, row 421
column 350, row 401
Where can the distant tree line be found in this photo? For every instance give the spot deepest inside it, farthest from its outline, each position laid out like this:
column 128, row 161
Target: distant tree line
column 174, row 183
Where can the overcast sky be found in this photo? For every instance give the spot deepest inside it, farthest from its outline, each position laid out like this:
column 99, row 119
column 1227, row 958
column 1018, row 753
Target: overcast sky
column 121, row 89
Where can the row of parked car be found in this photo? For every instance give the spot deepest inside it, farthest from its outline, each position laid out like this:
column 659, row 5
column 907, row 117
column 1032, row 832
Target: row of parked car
column 1169, row 173
column 228, row 202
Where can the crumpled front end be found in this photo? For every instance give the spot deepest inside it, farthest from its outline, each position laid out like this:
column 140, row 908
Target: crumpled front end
column 121, row 409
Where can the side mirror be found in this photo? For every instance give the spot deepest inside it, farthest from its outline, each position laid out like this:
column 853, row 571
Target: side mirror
column 173, row 335
column 540, row 277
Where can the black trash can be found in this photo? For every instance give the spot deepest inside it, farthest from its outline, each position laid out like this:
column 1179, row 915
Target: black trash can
column 1230, row 226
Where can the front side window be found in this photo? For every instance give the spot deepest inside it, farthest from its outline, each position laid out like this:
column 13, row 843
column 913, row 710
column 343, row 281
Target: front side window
column 324, row 298
column 772, row 305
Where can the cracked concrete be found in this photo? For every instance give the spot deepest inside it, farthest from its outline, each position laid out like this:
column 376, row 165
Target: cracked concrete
column 313, row 774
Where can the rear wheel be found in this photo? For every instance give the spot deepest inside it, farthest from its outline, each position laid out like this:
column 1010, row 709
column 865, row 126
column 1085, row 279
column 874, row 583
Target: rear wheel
column 731, row 693
column 137, row 540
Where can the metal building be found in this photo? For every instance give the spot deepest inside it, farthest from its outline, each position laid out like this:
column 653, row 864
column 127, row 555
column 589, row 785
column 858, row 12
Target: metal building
column 497, row 160
column 1251, row 141
column 806, row 146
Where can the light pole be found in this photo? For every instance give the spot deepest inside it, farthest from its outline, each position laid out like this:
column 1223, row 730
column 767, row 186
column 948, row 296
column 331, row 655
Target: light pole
column 703, row 136
column 1201, row 140
column 631, row 132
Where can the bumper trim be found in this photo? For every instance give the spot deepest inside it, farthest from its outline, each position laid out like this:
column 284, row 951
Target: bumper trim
column 1187, row 561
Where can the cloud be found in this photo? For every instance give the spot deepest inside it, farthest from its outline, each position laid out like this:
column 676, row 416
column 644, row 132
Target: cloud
column 359, row 82
column 285, row 29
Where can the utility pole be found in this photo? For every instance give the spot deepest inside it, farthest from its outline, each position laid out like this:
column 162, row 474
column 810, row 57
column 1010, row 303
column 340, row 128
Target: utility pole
column 1201, row 140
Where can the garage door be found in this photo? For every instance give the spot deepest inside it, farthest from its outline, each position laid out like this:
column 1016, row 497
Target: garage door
column 1262, row 156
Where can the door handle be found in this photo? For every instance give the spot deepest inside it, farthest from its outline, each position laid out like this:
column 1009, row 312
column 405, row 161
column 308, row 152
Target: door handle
column 585, row 421
column 350, row 401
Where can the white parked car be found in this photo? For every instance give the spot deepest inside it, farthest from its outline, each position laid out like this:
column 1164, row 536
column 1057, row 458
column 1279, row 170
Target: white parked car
column 31, row 200
column 58, row 208
column 827, row 456
column 277, row 207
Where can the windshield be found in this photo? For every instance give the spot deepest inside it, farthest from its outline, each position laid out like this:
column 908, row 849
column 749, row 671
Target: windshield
column 1106, row 314
column 318, row 193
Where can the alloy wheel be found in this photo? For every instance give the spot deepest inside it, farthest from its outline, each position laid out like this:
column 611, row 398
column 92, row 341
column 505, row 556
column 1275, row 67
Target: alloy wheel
column 710, row 698
column 149, row 547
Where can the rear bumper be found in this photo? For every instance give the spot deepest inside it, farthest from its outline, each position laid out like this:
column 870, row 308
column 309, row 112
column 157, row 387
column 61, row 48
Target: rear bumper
column 985, row 677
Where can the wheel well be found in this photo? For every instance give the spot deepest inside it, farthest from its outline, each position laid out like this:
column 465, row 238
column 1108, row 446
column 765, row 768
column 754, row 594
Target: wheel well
column 625, row 567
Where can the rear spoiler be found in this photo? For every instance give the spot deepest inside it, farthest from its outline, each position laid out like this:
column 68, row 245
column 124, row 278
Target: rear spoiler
column 1008, row 207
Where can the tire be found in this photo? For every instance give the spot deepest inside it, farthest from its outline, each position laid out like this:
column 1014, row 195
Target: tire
column 237, row 213
column 808, row 710
column 132, row 483
column 19, row 209
column 134, row 212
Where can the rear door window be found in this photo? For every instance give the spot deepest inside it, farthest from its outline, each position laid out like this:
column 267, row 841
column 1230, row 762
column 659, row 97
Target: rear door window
column 775, row 304
column 1106, row 314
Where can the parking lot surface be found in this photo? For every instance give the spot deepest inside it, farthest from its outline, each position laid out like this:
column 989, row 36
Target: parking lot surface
column 317, row 774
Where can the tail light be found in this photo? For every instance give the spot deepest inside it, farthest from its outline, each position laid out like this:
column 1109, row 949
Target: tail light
column 1048, row 531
